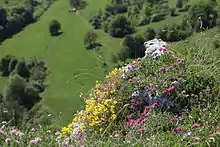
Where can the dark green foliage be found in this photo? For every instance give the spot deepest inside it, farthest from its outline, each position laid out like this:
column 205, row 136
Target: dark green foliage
column 202, row 15
column 144, row 20
column 54, row 27
column 179, row 3
column 158, row 17
column 90, row 39
column 96, row 22
column 12, row 64
column 149, row 34
column 22, row 93
column 78, row 4
column 21, row 69
column 148, row 10
column 18, row 15
column 17, row 18
column 218, row 20
column 216, row 43
column 173, row 12
column 120, row 26
column 172, row 33
column 4, row 65
column 3, row 17
column 185, row 8
column 116, row 9
column 132, row 47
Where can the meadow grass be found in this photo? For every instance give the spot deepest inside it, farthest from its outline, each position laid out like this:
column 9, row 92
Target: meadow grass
column 73, row 69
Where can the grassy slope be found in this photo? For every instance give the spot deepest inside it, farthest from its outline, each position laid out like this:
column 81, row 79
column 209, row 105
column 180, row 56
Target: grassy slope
column 65, row 55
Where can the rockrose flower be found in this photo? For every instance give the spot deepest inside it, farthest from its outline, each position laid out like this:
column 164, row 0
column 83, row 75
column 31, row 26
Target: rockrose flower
column 8, row 140
column 196, row 138
column 35, row 140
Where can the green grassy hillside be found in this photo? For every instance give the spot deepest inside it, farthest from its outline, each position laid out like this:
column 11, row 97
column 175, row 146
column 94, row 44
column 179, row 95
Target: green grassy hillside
column 73, row 69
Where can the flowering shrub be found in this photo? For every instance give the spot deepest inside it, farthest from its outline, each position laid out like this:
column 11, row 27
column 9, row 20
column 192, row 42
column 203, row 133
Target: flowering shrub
column 100, row 108
column 165, row 101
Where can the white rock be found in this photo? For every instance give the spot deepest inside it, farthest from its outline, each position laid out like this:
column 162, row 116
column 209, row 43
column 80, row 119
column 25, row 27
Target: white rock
column 155, row 48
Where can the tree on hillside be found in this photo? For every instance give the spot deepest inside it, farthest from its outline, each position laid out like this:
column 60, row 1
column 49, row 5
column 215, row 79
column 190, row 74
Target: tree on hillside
column 90, row 39
column 21, row 69
column 202, row 15
column 120, row 26
column 78, row 4
column 132, row 47
column 54, row 27
column 117, row 1
column 149, row 34
column 148, row 10
column 179, row 3
column 3, row 17
column 4, row 65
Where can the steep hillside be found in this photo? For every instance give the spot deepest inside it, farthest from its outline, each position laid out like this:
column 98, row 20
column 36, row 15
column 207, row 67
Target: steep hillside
column 167, row 98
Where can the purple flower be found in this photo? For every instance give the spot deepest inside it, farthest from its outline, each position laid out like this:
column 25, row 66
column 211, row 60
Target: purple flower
column 147, row 87
column 195, row 125
column 162, row 69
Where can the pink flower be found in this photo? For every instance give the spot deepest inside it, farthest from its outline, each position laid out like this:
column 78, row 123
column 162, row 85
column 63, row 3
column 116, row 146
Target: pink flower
column 145, row 114
column 130, row 116
column 146, row 87
column 154, row 105
column 196, row 138
column 35, row 140
column 163, row 49
column 178, row 129
column 181, row 133
column 137, row 104
column 127, row 125
column 154, row 89
column 13, row 132
column 164, row 91
column 139, row 67
column 180, row 60
column 170, row 89
column 130, row 80
column 141, row 130
column 162, row 69
column 218, row 128
column 139, row 120
column 2, row 132
column 173, row 119
column 195, row 125
column 7, row 140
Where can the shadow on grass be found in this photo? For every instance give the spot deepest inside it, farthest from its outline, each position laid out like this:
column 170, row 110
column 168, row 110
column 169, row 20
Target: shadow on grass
column 94, row 46
column 57, row 34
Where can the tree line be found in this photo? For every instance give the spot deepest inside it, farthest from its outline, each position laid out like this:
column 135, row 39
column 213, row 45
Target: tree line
column 14, row 18
column 21, row 97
